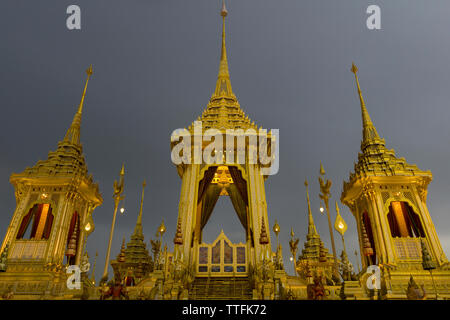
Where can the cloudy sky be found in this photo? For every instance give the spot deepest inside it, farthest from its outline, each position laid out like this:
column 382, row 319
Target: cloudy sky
column 155, row 66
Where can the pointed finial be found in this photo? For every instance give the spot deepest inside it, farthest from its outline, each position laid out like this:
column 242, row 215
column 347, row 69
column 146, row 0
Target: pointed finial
column 224, row 11
column 292, row 232
column 122, row 171
column 89, row 73
column 223, row 84
column 73, row 133
column 354, row 69
column 311, row 226
column 138, row 227
column 322, row 170
column 369, row 130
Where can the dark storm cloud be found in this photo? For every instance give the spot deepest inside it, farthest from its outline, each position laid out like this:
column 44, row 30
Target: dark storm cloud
column 155, row 65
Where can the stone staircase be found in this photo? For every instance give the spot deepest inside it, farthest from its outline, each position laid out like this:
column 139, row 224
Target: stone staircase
column 229, row 288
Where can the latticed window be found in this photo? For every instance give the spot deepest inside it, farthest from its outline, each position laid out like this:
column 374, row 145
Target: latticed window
column 408, row 248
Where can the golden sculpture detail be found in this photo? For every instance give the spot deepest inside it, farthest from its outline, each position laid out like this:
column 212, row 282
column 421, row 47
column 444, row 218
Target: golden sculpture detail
column 117, row 196
column 58, row 190
column 383, row 193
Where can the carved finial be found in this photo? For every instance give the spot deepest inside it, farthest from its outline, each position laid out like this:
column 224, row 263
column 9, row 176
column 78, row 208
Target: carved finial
column 224, row 11
column 322, row 170
column 73, row 133
column 354, row 69
column 121, row 257
column 178, row 235
column 263, row 239
column 369, row 130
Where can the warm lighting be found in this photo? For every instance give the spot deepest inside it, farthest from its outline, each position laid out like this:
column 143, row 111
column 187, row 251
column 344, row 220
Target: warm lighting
column 87, row 227
column 341, row 225
column 162, row 228
column 292, row 259
column 122, row 210
column 321, row 209
column 276, row 228
column 44, row 196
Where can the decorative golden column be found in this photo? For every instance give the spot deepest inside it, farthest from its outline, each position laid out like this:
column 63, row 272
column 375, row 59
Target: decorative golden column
column 93, row 268
column 325, row 196
column 341, row 227
column 293, row 243
column 117, row 196
column 276, row 230
column 161, row 231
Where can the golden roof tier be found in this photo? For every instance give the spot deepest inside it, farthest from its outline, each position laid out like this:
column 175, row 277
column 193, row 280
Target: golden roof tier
column 375, row 160
column 67, row 162
column 223, row 110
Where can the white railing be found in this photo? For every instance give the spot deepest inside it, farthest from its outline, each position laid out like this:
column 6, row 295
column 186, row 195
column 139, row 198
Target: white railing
column 28, row 250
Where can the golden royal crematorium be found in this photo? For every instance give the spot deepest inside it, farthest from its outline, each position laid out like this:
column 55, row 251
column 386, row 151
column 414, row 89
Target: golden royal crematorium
column 401, row 255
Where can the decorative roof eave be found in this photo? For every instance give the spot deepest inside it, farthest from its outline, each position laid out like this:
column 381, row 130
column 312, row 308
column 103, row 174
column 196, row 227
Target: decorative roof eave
column 353, row 189
column 85, row 185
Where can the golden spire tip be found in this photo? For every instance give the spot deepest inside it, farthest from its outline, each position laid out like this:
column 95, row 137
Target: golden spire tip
column 224, row 11
column 354, row 69
column 322, row 170
column 89, row 71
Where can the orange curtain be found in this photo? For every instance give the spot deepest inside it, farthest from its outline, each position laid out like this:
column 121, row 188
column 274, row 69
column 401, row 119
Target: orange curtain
column 37, row 218
column 48, row 224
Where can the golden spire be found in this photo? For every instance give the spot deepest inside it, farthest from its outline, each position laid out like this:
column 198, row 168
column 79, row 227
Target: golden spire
column 311, row 226
column 369, row 130
column 138, row 227
column 223, row 85
column 73, row 133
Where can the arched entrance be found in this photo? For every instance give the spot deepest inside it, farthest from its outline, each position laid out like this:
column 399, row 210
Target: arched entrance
column 221, row 257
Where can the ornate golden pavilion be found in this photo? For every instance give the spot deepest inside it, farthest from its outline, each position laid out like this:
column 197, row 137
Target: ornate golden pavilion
column 387, row 196
column 55, row 200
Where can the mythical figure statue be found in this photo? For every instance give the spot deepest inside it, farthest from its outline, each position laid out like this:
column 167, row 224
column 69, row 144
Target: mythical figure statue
column 3, row 258
column 156, row 249
column 9, row 293
column 117, row 292
column 316, row 290
column 414, row 292
column 84, row 264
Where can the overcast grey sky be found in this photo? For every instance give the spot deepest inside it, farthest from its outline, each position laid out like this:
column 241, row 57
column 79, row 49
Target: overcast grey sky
column 155, row 66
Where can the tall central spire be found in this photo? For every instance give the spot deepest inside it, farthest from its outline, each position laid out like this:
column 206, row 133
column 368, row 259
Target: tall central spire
column 369, row 130
column 73, row 133
column 223, row 85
